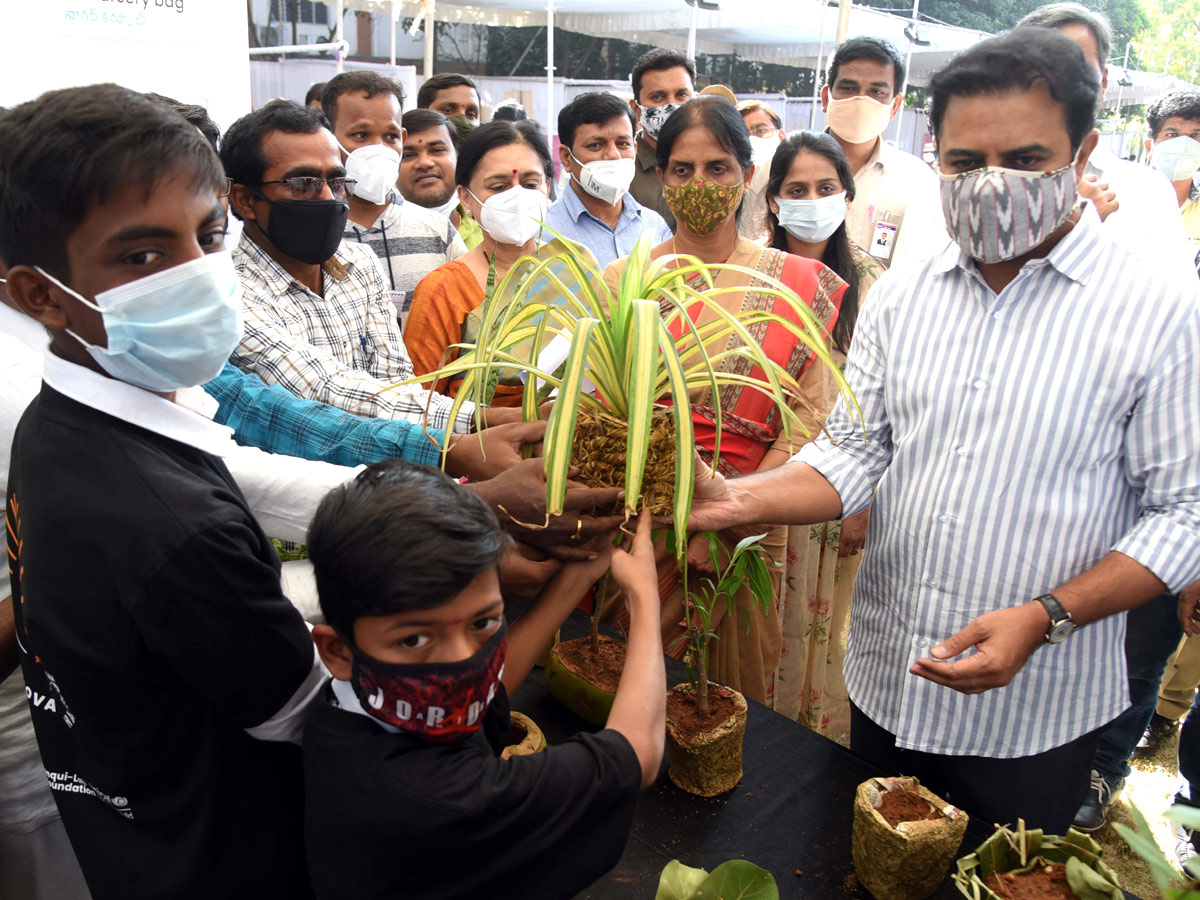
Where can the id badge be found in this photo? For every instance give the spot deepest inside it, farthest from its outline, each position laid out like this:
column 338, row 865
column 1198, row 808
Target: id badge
column 883, row 241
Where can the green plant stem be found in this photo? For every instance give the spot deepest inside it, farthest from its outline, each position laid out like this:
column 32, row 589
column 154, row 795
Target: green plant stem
column 702, row 679
column 598, row 611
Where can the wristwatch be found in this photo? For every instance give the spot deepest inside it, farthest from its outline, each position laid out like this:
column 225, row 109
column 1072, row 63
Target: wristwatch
column 1061, row 623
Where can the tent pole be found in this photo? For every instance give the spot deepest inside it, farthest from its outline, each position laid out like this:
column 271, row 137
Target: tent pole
column 339, row 11
column 843, row 29
column 430, row 30
column 691, row 45
column 550, row 120
column 907, row 70
column 392, row 19
column 819, row 70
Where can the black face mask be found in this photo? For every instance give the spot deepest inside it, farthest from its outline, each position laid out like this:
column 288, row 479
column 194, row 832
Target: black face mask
column 307, row 230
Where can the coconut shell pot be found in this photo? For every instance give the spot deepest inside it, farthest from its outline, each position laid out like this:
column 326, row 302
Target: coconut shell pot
column 577, row 685
column 705, row 762
column 904, row 838
column 1012, row 854
column 524, row 737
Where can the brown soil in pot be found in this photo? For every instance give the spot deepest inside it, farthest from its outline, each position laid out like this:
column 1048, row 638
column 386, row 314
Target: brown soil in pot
column 599, row 454
column 684, row 713
column 1046, row 883
column 905, row 806
column 707, row 763
column 517, row 732
column 602, row 669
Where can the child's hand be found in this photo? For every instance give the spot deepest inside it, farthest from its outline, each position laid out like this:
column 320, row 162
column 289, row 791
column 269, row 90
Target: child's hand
column 590, row 570
column 634, row 570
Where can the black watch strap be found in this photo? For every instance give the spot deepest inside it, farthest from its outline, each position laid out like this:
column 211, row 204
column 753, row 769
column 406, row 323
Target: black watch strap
column 1061, row 623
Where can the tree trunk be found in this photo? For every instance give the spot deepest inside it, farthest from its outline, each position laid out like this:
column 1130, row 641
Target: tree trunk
column 598, row 611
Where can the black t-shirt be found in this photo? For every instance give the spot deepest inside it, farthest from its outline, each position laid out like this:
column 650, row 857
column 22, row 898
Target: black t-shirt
column 391, row 816
column 153, row 631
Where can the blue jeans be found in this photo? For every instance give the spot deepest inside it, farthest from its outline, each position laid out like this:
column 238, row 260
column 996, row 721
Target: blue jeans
column 1152, row 633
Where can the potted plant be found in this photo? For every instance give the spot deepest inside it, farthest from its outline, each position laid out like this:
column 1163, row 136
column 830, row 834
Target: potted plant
column 583, row 674
column 904, row 838
column 1036, row 865
column 524, row 736
column 706, row 723
column 736, row 879
column 635, row 432
column 1170, row 883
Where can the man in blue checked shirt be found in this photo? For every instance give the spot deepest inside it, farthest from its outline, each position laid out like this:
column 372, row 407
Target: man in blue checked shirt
column 1031, row 436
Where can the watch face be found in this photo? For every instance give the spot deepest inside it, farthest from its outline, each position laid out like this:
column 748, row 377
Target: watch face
column 1059, row 632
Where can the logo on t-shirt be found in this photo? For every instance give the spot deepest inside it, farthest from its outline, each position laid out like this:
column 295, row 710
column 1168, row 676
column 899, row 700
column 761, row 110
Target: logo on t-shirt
column 70, row 783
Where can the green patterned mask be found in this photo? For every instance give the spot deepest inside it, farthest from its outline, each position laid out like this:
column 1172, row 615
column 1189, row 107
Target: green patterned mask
column 701, row 206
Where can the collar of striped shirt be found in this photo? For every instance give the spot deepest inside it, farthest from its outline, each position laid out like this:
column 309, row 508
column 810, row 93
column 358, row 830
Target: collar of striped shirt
column 277, row 278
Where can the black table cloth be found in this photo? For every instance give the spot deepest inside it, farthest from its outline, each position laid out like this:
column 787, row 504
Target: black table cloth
column 791, row 813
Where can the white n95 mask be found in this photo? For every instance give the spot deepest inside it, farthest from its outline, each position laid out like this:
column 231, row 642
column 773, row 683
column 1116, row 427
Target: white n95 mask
column 375, row 168
column 1178, row 158
column 171, row 330
column 607, row 180
column 812, row 221
column 513, row 216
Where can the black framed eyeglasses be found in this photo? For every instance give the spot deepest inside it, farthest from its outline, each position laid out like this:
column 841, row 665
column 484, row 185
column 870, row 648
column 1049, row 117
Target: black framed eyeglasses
column 309, row 187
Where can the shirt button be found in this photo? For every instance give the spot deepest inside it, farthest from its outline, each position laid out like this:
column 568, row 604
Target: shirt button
column 932, row 582
column 980, row 384
column 943, row 518
column 961, row 451
column 998, row 315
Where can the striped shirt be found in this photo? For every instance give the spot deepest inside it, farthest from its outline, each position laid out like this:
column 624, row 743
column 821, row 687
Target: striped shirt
column 411, row 242
column 1014, row 440
column 343, row 349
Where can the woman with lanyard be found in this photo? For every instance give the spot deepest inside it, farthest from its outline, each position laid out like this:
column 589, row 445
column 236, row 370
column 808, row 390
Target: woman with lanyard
column 808, row 190
column 503, row 176
column 704, row 163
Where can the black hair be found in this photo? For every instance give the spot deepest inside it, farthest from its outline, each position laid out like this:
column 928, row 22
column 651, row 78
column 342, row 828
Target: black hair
column 197, row 115
column 314, row 93
column 362, row 81
column 837, row 255
column 657, row 60
column 592, row 108
column 435, row 83
column 417, row 120
column 509, row 111
column 398, row 537
column 500, row 134
column 1183, row 104
column 1060, row 15
column 241, row 151
column 749, row 106
column 716, row 114
column 1017, row 61
column 71, row 149
column 868, row 48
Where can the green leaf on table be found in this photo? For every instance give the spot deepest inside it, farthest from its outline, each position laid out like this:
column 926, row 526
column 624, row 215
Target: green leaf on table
column 738, row 879
column 1088, row 884
column 679, row 882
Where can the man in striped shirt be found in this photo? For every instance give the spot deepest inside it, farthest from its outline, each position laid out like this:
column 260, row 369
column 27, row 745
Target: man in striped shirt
column 1031, row 435
column 363, row 109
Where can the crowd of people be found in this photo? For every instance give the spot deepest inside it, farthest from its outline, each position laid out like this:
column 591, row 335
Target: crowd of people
column 1018, row 323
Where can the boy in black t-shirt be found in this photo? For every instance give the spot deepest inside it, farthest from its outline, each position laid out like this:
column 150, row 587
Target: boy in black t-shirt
column 165, row 670
column 406, row 794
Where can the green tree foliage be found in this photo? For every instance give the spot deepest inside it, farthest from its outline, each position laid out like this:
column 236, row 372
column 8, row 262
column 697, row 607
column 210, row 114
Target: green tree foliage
column 1171, row 40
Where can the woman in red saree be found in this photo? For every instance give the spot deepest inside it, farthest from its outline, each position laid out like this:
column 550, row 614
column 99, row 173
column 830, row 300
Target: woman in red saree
column 704, row 165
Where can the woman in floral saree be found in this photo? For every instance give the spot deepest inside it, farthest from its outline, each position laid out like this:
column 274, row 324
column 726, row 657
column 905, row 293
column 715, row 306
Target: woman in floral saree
column 704, row 164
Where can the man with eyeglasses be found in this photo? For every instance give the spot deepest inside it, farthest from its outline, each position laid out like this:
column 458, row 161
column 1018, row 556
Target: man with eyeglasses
column 317, row 318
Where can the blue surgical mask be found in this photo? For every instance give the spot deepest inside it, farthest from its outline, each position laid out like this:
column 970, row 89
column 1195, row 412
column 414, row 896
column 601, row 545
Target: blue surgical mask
column 171, row 330
column 812, row 221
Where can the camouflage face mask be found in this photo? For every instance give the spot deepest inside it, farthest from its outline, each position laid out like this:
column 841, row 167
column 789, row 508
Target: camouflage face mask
column 701, row 206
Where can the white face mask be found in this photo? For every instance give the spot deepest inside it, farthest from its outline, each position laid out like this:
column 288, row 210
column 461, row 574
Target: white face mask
column 812, row 221
column 1178, row 158
column 171, row 330
column 448, row 207
column 607, row 180
column 513, row 216
column 375, row 167
column 762, row 149
column 857, row 120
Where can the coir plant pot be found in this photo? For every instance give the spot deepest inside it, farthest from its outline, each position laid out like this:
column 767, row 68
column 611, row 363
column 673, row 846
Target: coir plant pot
column 1027, row 864
column 584, row 678
column 904, row 838
column 524, row 736
column 599, row 452
column 705, row 751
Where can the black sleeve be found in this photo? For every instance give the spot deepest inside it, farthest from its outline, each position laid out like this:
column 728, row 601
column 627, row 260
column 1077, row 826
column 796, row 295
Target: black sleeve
column 215, row 614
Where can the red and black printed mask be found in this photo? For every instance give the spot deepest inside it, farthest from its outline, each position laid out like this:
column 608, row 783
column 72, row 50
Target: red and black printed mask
column 439, row 702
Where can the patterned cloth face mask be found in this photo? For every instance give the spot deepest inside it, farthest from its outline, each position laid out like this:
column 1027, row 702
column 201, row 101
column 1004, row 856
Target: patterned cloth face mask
column 439, row 702
column 653, row 118
column 701, row 205
column 997, row 214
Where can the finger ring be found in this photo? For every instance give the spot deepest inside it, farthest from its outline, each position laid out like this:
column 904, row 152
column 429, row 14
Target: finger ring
column 578, row 535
